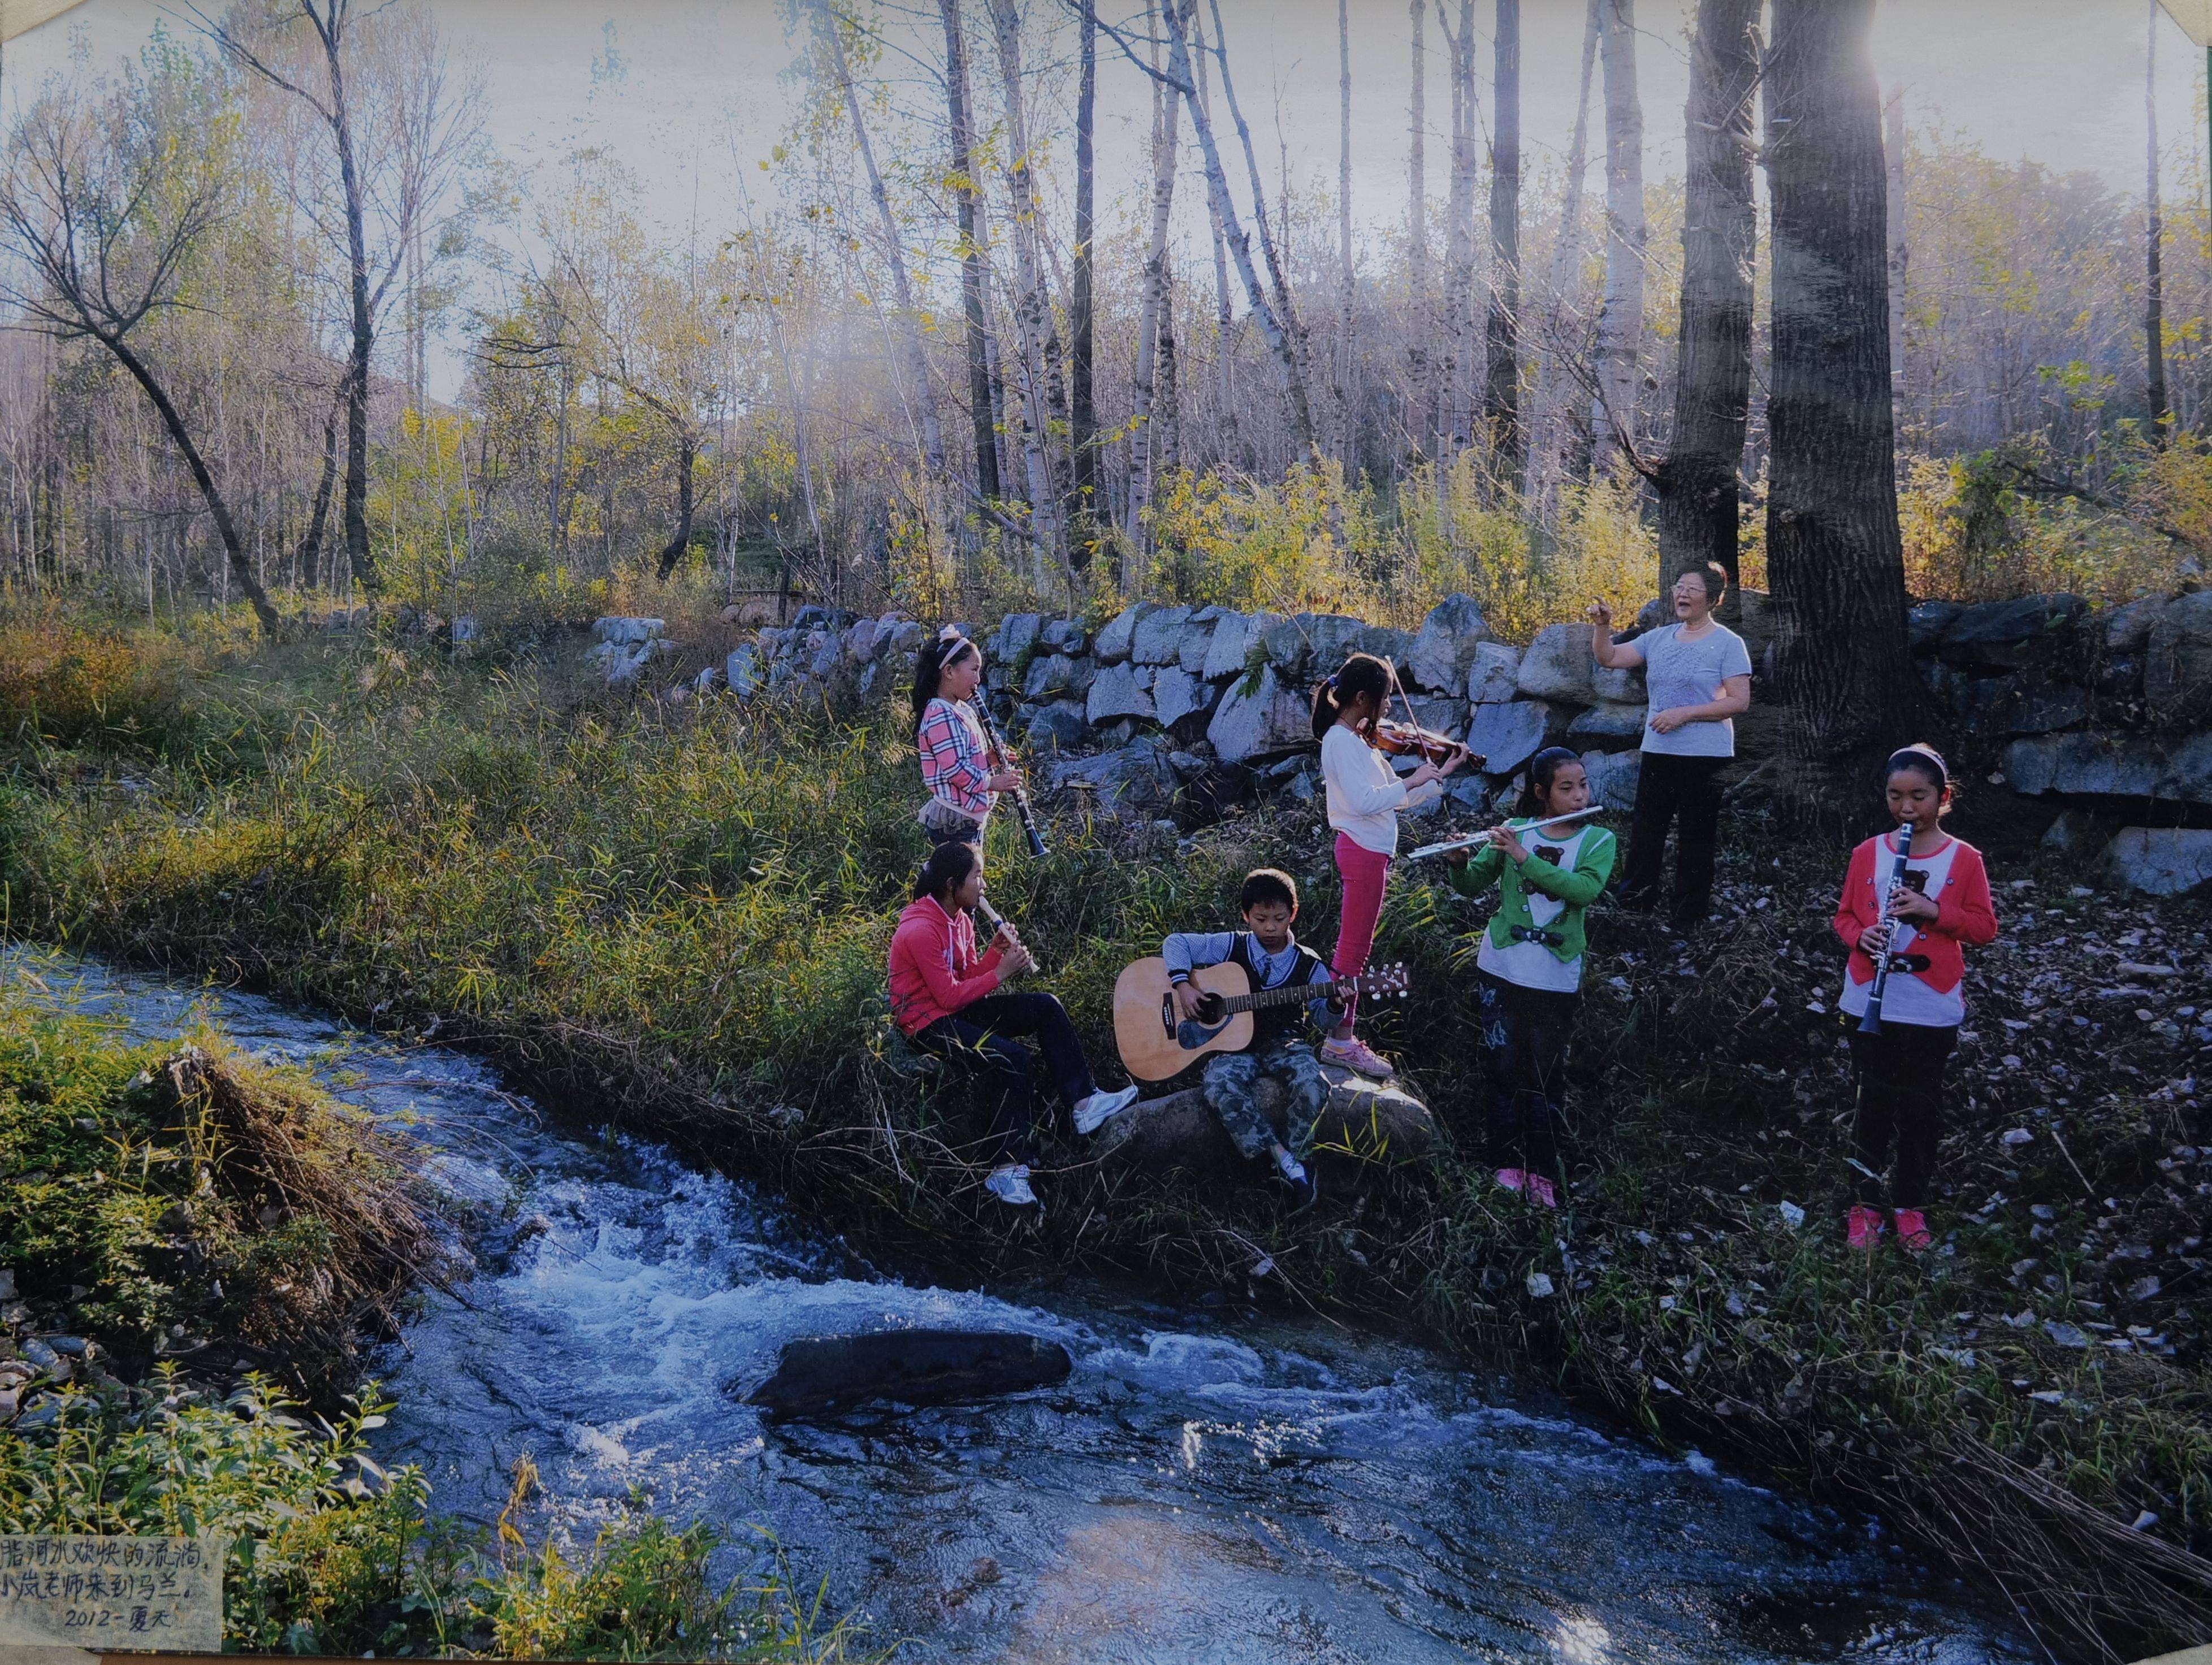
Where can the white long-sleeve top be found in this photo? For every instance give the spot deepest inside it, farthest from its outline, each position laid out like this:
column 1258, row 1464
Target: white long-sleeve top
column 1364, row 793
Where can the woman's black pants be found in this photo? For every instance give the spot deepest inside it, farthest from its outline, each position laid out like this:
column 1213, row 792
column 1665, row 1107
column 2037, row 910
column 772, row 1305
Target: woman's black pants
column 1668, row 788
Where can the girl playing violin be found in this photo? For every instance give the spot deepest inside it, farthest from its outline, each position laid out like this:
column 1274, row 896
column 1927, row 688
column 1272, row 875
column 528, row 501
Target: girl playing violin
column 1365, row 796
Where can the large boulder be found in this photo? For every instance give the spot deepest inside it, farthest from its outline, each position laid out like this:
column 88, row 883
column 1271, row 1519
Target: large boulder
column 1444, row 647
column 1131, row 780
column 628, row 632
column 1115, row 692
column 1063, row 636
column 1235, row 636
column 2127, row 626
column 1273, row 716
column 1059, row 676
column 743, row 670
column 1446, row 714
column 2027, row 704
column 1179, row 697
column 1158, row 637
column 2177, row 660
column 1017, row 635
column 1622, row 684
column 1310, row 646
column 1059, row 726
column 1925, row 624
column 1608, row 727
column 1613, row 777
column 1493, row 674
column 2160, row 861
column 821, row 1374
column 1507, row 735
column 1557, row 665
column 1364, row 1122
column 2012, row 635
column 1116, row 640
column 2104, row 764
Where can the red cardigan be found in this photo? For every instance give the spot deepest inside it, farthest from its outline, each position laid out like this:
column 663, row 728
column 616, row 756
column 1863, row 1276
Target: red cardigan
column 935, row 968
column 1964, row 914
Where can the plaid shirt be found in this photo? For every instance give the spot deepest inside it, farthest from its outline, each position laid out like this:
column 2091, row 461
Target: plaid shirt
column 954, row 761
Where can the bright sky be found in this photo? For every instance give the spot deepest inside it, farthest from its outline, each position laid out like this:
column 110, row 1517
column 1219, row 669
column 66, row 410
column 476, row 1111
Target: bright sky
column 691, row 92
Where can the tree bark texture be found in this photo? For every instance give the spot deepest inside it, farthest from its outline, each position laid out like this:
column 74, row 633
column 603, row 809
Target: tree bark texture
column 330, row 26
column 1561, row 334
column 960, row 126
column 1347, row 402
column 1900, row 253
column 1420, row 417
column 1144, row 442
column 687, row 455
column 1458, row 403
column 1833, row 552
column 1620, row 322
column 2154, row 247
column 1697, row 485
column 1501, row 399
column 1084, row 426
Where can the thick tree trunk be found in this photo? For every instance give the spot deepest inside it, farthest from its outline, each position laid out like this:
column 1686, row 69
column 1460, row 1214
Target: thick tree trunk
column 1457, row 402
column 1697, row 486
column 913, row 363
column 1833, row 552
column 1238, row 241
column 241, row 567
column 1084, row 426
column 1501, row 397
column 1040, row 354
column 687, row 456
column 1144, row 442
column 1620, row 323
column 1564, row 293
column 1893, row 144
column 1420, row 417
column 2154, row 249
column 960, row 124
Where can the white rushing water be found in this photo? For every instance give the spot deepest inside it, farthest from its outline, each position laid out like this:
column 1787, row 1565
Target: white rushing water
column 1215, row 1485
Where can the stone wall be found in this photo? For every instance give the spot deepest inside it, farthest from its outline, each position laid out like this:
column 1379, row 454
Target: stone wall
column 2101, row 717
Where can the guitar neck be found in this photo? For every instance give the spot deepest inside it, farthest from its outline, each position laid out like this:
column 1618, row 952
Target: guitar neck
column 1291, row 994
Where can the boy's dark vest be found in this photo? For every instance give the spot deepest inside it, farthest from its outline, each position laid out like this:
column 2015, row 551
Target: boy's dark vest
column 1272, row 1024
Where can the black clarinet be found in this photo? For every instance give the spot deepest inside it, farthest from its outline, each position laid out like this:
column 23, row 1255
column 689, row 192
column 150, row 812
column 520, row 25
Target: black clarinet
column 1021, row 810
column 1871, row 1024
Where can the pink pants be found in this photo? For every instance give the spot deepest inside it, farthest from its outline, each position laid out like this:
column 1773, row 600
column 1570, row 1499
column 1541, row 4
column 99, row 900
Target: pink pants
column 1364, row 872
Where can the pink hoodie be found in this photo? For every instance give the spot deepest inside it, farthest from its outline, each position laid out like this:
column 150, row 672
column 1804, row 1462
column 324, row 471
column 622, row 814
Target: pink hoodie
column 934, row 969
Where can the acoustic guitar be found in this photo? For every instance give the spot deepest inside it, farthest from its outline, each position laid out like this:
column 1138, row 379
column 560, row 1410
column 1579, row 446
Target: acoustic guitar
column 1156, row 1044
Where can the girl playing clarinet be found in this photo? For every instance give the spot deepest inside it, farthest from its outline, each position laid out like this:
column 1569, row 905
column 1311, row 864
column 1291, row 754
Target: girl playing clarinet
column 1529, row 968
column 955, row 760
column 1939, row 900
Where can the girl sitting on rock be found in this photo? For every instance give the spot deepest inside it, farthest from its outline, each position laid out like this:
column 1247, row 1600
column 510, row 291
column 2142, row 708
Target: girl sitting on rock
column 1365, row 797
column 1529, row 970
column 955, row 760
column 1940, row 902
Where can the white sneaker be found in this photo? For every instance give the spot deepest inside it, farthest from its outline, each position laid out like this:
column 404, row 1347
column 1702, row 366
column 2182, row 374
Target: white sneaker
column 1011, row 1185
column 1095, row 1110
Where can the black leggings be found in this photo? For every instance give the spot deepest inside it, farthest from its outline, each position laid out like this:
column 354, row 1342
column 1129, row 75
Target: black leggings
column 979, row 1037
column 1524, row 1040
column 1668, row 786
column 1900, row 1093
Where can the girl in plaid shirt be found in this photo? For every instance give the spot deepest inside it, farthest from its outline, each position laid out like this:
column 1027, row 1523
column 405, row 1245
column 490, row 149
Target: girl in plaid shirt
column 955, row 762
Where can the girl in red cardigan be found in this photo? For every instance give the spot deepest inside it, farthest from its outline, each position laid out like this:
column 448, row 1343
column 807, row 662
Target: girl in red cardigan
column 1942, row 902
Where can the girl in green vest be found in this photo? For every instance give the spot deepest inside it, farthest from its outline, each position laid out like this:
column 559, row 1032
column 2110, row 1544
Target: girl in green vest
column 1530, row 969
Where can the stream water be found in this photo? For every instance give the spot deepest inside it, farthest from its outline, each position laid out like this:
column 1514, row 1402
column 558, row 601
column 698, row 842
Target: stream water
column 1207, row 1486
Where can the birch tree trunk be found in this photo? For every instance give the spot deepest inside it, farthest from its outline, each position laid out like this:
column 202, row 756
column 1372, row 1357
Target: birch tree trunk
column 1032, row 305
column 1459, row 243
column 2154, row 249
column 914, row 363
column 1143, row 446
column 1697, row 486
column 960, row 123
column 1834, row 548
column 1082, row 429
column 1238, row 241
column 1421, row 425
column 1620, row 322
column 1226, row 330
column 1564, row 291
column 1501, row 397
column 1347, row 402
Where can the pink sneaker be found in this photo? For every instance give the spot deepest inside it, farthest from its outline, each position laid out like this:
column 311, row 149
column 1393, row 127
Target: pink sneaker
column 1912, row 1229
column 1511, row 1178
column 1866, row 1226
column 1540, row 1189
column 1356, row 1055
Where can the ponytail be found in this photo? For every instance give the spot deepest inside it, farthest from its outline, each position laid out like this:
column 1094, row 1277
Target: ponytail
column 1363, row 673
column 1543, row 769
column 948, row 866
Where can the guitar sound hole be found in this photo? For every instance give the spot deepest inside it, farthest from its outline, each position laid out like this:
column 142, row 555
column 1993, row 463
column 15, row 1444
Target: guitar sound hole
column 1210, row 1011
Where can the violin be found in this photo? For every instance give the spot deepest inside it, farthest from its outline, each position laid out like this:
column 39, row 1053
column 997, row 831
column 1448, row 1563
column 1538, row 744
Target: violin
column 1409, row 740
